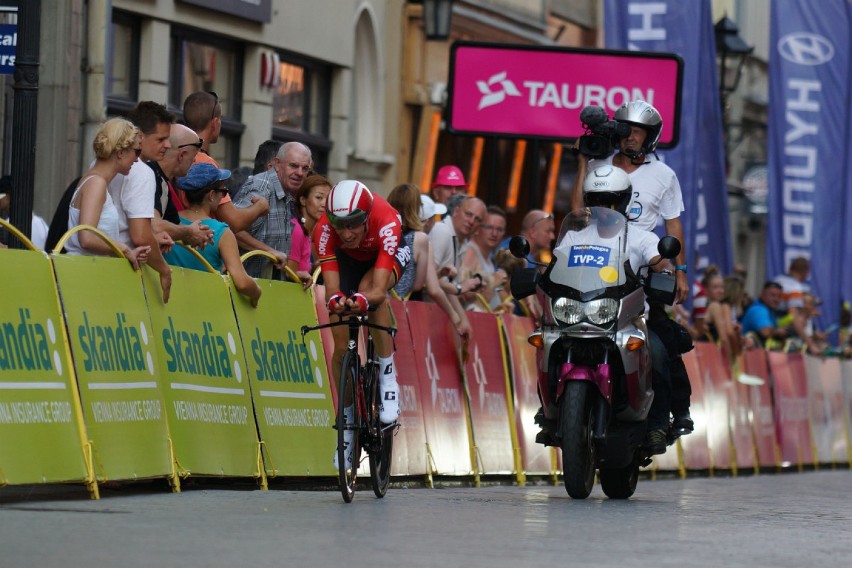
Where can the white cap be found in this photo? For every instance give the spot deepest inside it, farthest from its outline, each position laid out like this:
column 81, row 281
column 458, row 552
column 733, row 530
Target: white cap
column 429, row 208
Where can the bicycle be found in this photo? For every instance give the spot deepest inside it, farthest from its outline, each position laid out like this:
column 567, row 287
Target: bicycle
column 359, row 384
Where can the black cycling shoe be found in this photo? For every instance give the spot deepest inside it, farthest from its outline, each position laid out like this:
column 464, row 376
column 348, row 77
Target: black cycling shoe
column 682, row 423
column 656, row 442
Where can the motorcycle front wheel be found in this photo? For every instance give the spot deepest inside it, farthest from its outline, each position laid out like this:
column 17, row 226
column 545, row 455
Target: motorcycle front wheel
column 578, row 450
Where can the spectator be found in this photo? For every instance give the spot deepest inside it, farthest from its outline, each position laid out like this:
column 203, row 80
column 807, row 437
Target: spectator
column 701, row 300
column 265, row 156
column 759, row 319
column 539, row 229
column 477, row 262
column 184, row 144
column 203, row 186
column 718, row 325
column 202, row 112
column 277, row 186
column 420, row 271
column 310, row 205
column 134, row 194
column 39, row 228
column 506, row 261
column 448, row 182
column 792, row 302
column 116, row 147
column 811, row 309
column 736, row 296
column 450, row 237
column 430, row 212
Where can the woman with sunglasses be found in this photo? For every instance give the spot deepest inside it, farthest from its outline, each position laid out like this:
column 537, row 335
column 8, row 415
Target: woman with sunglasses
column 204, row 185
column 117, row 147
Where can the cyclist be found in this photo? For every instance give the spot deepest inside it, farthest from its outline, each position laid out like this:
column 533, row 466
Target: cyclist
column 359, row 245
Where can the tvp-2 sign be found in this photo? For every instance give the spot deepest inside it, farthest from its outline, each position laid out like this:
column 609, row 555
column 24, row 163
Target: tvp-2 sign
column 522, row 91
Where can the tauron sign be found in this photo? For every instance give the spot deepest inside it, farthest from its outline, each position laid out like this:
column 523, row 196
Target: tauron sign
column 533, row 92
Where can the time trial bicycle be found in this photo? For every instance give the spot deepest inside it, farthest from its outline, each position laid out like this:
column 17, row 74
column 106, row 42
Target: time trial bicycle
column 359, row 386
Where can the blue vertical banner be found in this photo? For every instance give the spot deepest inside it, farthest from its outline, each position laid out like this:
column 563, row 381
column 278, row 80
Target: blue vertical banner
column 809, row 136
column 686, row 28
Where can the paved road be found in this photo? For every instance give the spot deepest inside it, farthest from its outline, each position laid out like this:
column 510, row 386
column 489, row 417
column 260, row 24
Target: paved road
column 779, row 520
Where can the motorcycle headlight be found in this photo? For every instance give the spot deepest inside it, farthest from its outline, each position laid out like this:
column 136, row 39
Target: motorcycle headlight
column 567, row 311
column 601, row 312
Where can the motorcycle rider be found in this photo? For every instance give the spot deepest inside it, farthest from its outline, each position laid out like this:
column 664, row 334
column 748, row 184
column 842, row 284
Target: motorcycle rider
column 609, row 186
column 657, row 194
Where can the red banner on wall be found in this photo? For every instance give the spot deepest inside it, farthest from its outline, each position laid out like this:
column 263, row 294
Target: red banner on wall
column 754, row 363
column 442, row 399
column 536, row 458
column 696, row 454
column 716, row 379
column 791, row 407
column 825, row 401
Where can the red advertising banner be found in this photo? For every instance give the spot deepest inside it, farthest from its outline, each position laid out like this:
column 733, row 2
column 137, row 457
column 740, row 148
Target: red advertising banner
column 410, row 455
column 536, row 458
column 791, row 408
column 441, row 396
column 825, row 403
column 486, row 385
column 538, row 92
column 718, row 387
column 753, row 362
column 696, row 453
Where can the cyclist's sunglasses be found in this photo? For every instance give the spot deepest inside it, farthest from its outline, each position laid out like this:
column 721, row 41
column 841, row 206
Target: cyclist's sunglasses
column 348, row 223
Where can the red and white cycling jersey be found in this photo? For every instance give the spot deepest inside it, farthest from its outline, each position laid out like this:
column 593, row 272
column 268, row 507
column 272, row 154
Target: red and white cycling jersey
column 384, row 235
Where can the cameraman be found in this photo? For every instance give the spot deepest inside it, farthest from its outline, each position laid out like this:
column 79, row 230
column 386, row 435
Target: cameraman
column 656, row 193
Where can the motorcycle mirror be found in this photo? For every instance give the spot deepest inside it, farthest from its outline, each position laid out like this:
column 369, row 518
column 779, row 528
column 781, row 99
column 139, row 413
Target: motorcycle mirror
column 519, row 247
column 668, row 247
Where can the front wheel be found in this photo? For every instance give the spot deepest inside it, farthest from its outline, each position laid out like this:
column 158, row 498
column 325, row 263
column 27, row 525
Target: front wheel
column 380, row 451
column 578, row 449
column 620, row 483
column 348, row 428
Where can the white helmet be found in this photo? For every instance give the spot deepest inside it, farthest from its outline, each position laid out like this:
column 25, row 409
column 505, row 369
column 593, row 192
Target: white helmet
column 608, row 186
column 348, row 204
column 639, row 113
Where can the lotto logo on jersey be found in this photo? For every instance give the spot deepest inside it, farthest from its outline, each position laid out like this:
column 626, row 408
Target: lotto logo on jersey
column 389, row 240
column 403, row 255
column 589, row 255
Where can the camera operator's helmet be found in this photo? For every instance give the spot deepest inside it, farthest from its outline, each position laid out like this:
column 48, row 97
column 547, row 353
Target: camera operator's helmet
column 640, row 113
column 348, row 204
column 610, row 187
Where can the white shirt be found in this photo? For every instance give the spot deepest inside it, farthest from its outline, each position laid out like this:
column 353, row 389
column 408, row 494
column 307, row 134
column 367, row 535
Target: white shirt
column 656, row 193
column 445, row 244
column 133, row 196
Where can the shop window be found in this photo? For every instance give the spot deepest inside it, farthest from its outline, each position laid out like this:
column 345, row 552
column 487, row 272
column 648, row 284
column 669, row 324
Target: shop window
column 202, row 63
column 122, row 65
column 301, row 107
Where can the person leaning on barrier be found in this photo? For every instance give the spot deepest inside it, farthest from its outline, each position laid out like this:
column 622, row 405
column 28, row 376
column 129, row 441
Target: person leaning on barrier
column 759, row 319
column 116, row 147
column 203, row 187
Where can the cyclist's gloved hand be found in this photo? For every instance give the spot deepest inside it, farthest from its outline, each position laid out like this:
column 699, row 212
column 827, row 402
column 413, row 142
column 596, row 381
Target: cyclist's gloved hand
column 359, row 303
column 336, row 302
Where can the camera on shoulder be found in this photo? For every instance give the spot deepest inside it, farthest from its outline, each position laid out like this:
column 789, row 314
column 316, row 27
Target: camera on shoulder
column 602, row 134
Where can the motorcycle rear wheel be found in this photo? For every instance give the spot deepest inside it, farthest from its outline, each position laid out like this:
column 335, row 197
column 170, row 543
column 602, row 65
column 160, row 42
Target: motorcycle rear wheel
column 620, row 483
column 578, row 449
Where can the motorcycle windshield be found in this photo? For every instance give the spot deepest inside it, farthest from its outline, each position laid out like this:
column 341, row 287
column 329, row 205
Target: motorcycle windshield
column 590, row 253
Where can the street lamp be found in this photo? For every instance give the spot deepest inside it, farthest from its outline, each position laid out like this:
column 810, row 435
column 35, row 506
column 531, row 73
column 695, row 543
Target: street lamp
column 732, row 51
column 437, row 18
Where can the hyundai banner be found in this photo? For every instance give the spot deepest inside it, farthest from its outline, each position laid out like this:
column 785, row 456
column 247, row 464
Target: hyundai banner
column 538, row 92
column 686, row 28
column 808, row 155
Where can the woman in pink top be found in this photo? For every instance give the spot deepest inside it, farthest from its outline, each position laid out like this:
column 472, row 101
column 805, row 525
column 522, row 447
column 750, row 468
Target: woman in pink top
column 310, row 205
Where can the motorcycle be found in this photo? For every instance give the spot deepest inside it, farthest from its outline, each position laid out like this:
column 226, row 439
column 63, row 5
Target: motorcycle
column 594, row 361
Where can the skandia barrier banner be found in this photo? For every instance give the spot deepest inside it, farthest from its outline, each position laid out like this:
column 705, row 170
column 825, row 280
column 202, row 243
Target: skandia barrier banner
column 536, row 458
column 686, row 28
column 443, row 402
column 203, row 375
column 808, row 152
column 410, row 456
column 523, row 91
column 115, row 359
column 289, row 380
column 486, row 374
column 41, row 432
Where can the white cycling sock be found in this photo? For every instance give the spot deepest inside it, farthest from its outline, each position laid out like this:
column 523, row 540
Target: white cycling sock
column 387, row 370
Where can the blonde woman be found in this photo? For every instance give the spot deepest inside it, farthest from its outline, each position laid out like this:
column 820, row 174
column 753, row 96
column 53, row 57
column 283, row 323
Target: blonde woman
column 117, row 147
column 422, row 271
